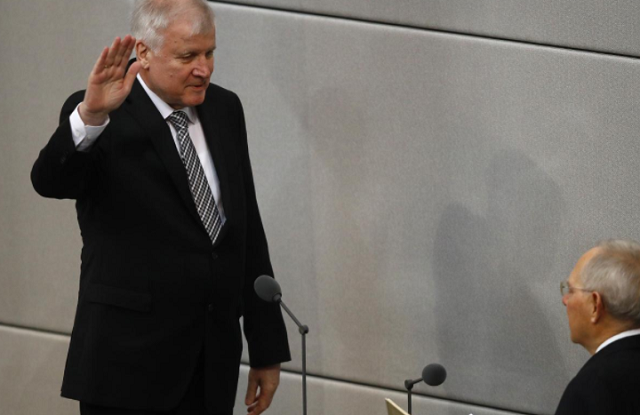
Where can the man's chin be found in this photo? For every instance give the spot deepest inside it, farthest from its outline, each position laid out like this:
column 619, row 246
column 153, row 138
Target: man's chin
column 576, row 340
column 196, row 98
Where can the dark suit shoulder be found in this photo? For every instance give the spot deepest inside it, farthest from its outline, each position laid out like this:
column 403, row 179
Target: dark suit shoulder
column 218, row 93
column 220, row 90
column 577, row 397
column 70, row 104
column 607, row 384
column 617, row 364
column 76, row 97
column 224, row 103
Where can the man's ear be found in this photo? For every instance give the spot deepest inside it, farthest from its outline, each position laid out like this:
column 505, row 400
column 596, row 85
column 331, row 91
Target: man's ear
column 142, row 54
column 597, row 307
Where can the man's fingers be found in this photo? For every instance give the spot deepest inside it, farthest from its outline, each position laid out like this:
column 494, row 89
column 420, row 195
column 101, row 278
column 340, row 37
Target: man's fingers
column 266, row 396
column 252, row 390
column 265, row 379
column 116, row 56
column 113, row 50
column 130, row 76
column 254, row 409
column 262, row 403
column 132, row 72
column 109, row 82
column 257, row 407
column 119, row 53
column 100, row 63
column 132, row 44
column 124, row 51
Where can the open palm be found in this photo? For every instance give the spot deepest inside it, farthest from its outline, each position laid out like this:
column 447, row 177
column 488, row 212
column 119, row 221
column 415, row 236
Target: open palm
column 109, row 82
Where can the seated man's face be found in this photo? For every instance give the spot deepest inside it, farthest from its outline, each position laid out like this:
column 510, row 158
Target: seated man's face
column 179, row 71
column 579, row 302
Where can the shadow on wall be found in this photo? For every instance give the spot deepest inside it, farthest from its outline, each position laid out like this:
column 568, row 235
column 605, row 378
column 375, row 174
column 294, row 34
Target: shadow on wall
column 287, row 66
column 350, row 241
column 330, row 170
column 485, row 269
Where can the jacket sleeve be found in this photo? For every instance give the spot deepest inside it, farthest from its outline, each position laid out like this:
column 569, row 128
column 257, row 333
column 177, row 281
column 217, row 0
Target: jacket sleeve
column 60, row 171
column 263, row 323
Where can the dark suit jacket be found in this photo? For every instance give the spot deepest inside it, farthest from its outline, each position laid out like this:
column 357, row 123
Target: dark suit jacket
column 608, row 384
column 154, row 292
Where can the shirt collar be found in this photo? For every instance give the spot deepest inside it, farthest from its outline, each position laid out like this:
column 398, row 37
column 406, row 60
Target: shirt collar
column 164, row 108
column 618, row 336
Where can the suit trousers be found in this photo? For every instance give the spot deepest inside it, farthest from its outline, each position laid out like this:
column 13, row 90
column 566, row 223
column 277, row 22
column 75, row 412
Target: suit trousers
column 193, row 402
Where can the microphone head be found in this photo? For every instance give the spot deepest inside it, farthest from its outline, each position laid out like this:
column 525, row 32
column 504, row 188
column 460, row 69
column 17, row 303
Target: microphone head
column 434, row 374
column 267, row 288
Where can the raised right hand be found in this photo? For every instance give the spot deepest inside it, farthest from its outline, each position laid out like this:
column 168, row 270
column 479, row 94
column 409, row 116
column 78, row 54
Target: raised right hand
column 109, row 82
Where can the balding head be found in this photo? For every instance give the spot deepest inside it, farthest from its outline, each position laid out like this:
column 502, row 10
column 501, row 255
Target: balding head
column 603, row 293
column 151, row 18
column 613, row 270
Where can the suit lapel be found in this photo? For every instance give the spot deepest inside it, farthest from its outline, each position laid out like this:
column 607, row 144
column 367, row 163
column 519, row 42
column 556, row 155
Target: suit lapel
column 146, row 114
column 210, row 116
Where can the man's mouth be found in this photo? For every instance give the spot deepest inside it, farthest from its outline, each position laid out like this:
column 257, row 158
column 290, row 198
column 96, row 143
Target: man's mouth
column 199, row 86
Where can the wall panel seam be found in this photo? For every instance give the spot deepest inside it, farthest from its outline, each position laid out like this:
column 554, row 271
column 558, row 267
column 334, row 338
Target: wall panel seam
column 33, row 329
column 296, row 373
column 431, row 30
column 401, row 390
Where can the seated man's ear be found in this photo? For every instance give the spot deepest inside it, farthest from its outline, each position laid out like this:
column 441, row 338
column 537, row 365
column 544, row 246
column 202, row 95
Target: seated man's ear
column 597, row 307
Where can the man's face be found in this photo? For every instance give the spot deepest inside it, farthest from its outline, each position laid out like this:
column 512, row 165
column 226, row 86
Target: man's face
column 179, row 71
column 579, row 303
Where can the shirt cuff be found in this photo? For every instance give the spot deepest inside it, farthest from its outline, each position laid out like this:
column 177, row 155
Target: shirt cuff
column 84, row 135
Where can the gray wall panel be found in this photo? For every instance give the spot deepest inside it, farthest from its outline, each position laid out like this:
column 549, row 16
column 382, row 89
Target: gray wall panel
column 592, row 24
column 31, row 366
column 50, row 49
column 333, row 397
column 424, row 194
column 32, row 363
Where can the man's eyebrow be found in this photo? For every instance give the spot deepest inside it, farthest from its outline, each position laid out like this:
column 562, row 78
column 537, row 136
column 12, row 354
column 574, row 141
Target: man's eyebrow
column 192, row 52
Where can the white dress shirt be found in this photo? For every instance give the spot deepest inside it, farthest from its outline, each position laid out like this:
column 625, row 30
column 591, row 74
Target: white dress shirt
column 628, row 333
column 85, row 135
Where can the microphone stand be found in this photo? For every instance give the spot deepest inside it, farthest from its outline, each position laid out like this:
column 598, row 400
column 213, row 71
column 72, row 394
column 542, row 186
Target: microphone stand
column 433, row 375
column 303, row 330
column 408, row 384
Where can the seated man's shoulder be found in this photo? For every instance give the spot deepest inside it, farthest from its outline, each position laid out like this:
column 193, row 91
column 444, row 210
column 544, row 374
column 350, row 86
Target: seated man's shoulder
column 620, row 369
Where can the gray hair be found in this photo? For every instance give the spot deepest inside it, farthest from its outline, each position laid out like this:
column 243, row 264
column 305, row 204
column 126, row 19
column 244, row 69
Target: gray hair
column 614, row 272
column 150, row 18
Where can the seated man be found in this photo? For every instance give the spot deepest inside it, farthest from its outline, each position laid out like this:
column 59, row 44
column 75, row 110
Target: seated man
column 602, row 297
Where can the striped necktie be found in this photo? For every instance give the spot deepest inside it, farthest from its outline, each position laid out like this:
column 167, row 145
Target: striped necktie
column 200, row 189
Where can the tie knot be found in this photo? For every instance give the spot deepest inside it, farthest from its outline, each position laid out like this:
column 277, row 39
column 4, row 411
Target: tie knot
column 178, row 119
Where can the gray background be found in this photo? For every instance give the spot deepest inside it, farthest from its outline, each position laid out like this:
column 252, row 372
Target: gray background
column 428, row 171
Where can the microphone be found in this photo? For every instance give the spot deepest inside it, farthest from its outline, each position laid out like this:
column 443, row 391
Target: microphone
column 269, row 290
column 433, row 375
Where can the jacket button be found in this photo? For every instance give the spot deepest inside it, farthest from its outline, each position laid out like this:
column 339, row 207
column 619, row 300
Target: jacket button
column 210, row 307
column 214, row 256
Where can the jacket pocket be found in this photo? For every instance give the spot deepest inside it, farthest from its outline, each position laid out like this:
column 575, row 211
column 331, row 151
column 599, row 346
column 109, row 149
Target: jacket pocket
column 118, row 297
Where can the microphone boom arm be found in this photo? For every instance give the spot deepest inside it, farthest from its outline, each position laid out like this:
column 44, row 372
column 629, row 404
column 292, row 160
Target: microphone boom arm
column 302, row 328
column 269, row 290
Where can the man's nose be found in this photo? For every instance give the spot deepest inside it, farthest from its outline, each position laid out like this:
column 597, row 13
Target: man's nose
column 564, row 299
column 203, row 67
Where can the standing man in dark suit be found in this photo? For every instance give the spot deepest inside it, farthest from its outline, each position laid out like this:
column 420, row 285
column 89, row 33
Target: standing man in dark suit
column 156, row 158
column 602, row 297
